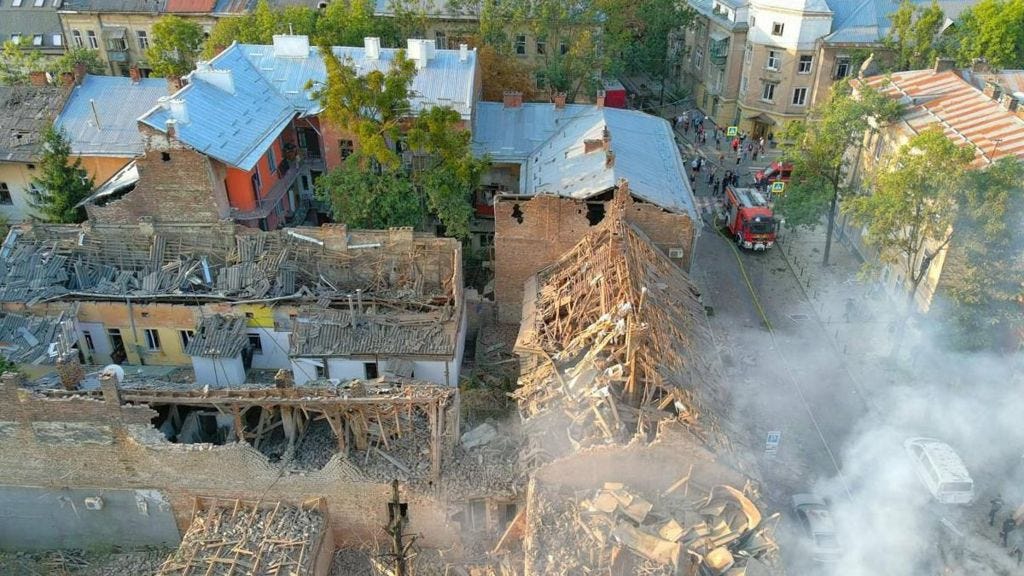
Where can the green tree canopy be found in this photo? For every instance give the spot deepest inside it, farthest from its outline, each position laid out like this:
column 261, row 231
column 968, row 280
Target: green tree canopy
column 62, row 184
column 992, row 30
column 818, row 149
column 983, row 276
column 16, row 63
column 366, row 198
column 66, row 63
column 175, row 46
column 914, row 35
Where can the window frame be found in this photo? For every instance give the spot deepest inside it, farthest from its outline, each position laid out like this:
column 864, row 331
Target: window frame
column 142, row 39
column 541, row 46
column 6, row 199
column 184, row 337
column 800, row 68
column 152, row 336
column 57, row 39
column 255, row 342
column 16, row 39
column 76, row 38
column 778, row 28
column 37, row 39
column 257, row 181
column 698, row 58
column 272, row 160
column 843, row 63
column 765, row 89
column 773, row 56
column 520, row 46
column 94, row 42
column 799, row 90
column 90, row 345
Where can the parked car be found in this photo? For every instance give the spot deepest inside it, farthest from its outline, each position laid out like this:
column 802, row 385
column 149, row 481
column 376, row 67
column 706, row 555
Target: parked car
column 816, row 520
column 941, row 470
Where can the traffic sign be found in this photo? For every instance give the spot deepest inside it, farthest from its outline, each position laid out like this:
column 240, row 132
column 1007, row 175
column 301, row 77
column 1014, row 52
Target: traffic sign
column 778, row 187
column 732, row 130
column 771, row 443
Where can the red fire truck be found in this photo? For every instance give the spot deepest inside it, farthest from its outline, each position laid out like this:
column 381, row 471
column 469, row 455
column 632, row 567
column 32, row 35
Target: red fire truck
column 750, row 219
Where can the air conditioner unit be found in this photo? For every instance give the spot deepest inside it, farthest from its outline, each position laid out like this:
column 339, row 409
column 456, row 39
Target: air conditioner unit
column 94, row 503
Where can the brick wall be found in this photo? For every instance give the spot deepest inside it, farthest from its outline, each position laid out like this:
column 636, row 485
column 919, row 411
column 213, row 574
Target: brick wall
column 176, row 185
column 551, row 226
column 133, row 455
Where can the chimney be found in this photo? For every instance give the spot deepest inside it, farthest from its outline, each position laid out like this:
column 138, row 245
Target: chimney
column 463, row 52
column 37, row 78
column 559, row 100
column 1009, row 102
column 79, row 71
column 417, row 52
column 992, row 90
column 609, row 159
column 944, row 64
column 67, row 79
column 222, row 79
column 178, row 109
column 135, row 74
column 371, row 44
column 174, row 83
column 512, row 99
column 600, row 99
column 169, row 126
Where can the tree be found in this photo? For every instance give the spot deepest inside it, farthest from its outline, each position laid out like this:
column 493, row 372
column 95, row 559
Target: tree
column 74, row 56
column 992, row 30
column 63, row 184
column 983, row 276
column 175, row 46
column 818, row 149
column 914, row 35
column 347, row 23
column 260, row 25
column 366, row 198
column 499, row 74
column 910, row 213
column 642, row 31
column 16, row 63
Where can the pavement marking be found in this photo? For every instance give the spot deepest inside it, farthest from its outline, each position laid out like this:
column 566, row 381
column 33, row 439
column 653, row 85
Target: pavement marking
column 786, row 365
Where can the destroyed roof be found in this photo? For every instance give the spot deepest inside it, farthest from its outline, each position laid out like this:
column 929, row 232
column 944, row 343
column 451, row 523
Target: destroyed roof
column 218, row 336
column 290, row 63
column 964, row 113
column 228, row 111
column 321, row 332
column 613, row 332
column 228, row 263
column 551, row 144
column 24, row 114
column 36, row 339
column 116, row 104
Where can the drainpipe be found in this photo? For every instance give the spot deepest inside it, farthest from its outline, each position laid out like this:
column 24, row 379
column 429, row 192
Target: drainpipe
column 135, row 333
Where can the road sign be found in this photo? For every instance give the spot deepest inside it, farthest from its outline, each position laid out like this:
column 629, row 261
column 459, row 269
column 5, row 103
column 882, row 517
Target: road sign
column 732, row 130
column 771, row 443
column 778, row 187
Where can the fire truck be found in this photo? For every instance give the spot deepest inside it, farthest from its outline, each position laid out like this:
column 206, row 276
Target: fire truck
column 750, row 219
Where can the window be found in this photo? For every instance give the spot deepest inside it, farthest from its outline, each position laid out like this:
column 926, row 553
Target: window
column 440, row 41
column 16, row 3
column 93, row 43
column 88, row 341
column 541, row 78
column 476, row 515
column 777, row 28
column 186, row 337
column 879, row 146
column 804, row 67
column 257, row 182
column 743, row 85
column 143, row 39
column 345, row 148
column 271, row 159
column 842, row 67
column 698, row 58
column 117, row 44
column 753, row 21
column 152, row 340
column 58, row 40
column 748, row 52
column 37, row 40
column 371, row 370
column 16, row 38
column 38, row 3
column 321, row 372
column 541, row 45
column 76, row 37
column 255, row 344
column 773, row 60
column 521, row 45
column 768, row 91
column 5, row 194
column 799, row 96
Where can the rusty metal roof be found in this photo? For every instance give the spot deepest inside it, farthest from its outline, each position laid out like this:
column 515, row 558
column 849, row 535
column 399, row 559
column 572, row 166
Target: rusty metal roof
column 964, row 113
column 200, row 6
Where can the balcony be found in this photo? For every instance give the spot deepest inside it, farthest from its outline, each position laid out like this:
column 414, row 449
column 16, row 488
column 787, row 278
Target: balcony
column 273, row 198
column 718, row 50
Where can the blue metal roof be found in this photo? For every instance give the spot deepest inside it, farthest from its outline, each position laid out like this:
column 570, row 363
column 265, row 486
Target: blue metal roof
column 867, row 21
column 231, row 112
column 446, row 80
column 119, row 103
column 549, row 142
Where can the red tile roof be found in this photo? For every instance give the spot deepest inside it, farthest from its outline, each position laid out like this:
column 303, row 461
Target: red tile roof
column 964, row 113
column 190, row 5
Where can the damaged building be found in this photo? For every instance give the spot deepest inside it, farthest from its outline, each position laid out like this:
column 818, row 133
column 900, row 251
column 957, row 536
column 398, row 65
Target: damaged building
column 228, row 300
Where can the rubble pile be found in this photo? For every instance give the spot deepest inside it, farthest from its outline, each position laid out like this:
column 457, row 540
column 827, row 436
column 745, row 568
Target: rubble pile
column 616, row 530
column 247, row 539
column 485, row 462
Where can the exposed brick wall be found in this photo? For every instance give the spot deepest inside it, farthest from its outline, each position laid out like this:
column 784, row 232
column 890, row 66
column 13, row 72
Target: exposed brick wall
column 136, row 457
column 182, row 187
column 551, row 226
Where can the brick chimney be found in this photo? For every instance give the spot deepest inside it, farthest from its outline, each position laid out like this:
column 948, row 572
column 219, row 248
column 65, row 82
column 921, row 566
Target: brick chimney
column 944, row 64
column 512, row 99
column 992, row 90
column 135, row 74
column 559, row 99
column 600, row 99
column 37, row 78
column 79, row 71
column 170, row 128
column 67, row 79
column 174, row 83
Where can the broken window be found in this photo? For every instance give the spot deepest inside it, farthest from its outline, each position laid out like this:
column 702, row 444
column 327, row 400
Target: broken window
column 88, row 341
column 595, row 212
column 186, row 337
column 5, row 194
column 371, row 370
column 255, row 343
column 152, row 340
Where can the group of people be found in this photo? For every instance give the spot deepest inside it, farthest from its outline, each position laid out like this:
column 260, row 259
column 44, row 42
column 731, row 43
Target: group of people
column 716, row 183
column 695, row 122
column 1007, row 529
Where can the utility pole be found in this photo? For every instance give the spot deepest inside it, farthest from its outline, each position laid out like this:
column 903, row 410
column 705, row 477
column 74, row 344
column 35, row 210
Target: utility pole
column 397, row 511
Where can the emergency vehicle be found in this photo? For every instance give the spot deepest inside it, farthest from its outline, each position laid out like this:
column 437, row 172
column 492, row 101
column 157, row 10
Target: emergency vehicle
column 750, row 219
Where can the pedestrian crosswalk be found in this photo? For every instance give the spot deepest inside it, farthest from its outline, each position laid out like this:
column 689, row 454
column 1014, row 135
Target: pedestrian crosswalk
column 709, row 204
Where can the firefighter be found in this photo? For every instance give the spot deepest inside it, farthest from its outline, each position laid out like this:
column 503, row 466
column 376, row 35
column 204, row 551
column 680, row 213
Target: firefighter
column 996, row 506
column 1008, row 526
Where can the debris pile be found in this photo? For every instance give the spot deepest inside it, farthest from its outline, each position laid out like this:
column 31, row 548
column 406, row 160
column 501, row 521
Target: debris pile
column 246, row 539
column 615, row 530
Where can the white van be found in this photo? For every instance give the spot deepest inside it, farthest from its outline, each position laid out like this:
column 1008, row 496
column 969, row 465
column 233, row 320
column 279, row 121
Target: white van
column 941, row 470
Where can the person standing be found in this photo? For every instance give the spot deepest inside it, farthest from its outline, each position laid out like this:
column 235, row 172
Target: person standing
column 1008, row 526
column 996, row 505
